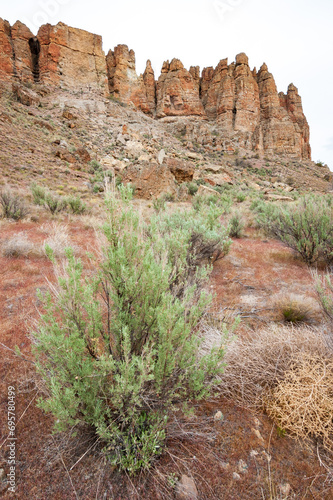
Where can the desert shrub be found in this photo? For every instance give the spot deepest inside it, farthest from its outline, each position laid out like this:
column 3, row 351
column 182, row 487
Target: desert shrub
column 294, row 308
column 224, row 202
column 200, row 200
column 257, row 361
column 306, row 227
column 159, row 204
column 38, row 193
column 94, row 166
column 76, row 205
column 168, row 196
column 17, row 246
column 240, row 197
column 236, row 225
column 195, row 239
column 54, row 203
column 302, row 403
column 13, row 206
column 192, row 188
column 117, row 349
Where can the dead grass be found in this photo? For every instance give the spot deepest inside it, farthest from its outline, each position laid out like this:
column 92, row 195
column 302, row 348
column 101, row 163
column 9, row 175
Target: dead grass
column 302, row 403
column 294, row 308
column 258, row 361
column 19, row 246
column 58, row 238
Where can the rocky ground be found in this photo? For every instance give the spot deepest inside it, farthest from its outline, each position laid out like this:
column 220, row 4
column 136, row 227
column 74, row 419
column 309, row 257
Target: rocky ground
column 70, row 142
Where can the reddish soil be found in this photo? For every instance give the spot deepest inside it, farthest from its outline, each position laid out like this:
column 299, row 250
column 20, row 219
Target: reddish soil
column 240, row 457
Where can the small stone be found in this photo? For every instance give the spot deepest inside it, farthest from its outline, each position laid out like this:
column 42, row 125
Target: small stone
column 161, row 156
column 218, row 416
column 2, row 474
column 285, row 489
column 186, row 489
column 236, row 476
column 242, row 466
column 257, row 433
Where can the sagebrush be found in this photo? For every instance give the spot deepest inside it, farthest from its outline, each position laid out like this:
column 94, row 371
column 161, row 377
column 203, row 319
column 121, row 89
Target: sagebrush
column 119, row 347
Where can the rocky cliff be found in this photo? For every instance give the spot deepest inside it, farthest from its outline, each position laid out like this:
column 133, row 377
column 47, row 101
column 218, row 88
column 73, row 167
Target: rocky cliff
column 244, row 105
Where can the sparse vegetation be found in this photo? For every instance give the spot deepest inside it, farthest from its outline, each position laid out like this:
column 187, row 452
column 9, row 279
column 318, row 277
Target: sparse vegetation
column 76, row 205
column 54, row 203
column 13, row 206
column 294, row 308
column 306, row 227
column 17, row 246
column 192, row 188
column 236, row 225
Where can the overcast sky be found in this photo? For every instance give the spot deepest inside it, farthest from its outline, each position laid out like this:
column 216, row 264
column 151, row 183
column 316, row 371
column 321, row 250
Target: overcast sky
column 293, row 37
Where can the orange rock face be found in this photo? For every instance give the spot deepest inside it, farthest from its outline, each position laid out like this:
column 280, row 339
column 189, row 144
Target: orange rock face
column 15, row 56
column 244, row 105
column 71, row 57
column 283, row 128
column 125, row 84
column 177, row 92
column 6, row 53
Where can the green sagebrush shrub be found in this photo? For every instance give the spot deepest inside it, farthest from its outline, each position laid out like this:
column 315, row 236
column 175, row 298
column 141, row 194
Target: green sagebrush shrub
column 118, row 348
column 306, row 227
column 13, row 205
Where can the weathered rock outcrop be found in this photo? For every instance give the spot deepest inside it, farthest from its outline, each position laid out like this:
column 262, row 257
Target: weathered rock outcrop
column 71, row 57
column 244, row 105
column 125, row 84
column 16, row 59
column 283, row 128
column 177, row 91
column 6, row 53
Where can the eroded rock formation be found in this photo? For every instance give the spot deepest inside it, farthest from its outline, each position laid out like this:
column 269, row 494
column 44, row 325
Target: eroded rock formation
column 125, row 84
column 177, row 91
column 71, row 57
column 244, row 105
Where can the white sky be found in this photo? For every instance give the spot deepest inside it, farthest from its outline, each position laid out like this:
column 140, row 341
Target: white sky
column 294, row 38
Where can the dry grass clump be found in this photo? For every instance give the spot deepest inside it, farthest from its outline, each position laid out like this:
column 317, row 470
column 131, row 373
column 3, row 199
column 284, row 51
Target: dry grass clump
column 257, row 362
column 18, row 246
column 58, row 239
column 302, row 403
column 294, row 308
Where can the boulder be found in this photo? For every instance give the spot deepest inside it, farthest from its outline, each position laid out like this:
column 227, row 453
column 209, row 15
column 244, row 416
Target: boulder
column 181, row 170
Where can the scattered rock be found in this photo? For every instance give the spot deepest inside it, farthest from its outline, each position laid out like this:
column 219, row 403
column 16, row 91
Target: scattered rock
column 242, row 466
column 25, row 96
column 219, row 180
column 83, row 155
column 68, row 114
column 2, row 474
column 285, row 489
column 44, row 124
column 183, row 171
column 186, row 489
column 65, row 155
column 150, row 180
column 218, row 416
column 134, row 148
column 206, row 191
column 277, row 197
column 161, row 156
column 236, row 476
